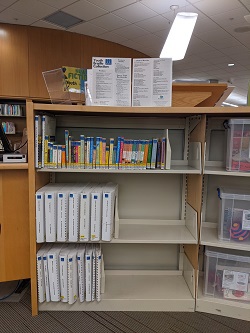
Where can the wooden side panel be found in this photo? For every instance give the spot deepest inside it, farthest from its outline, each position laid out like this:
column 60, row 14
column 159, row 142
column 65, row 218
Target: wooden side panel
column 14, row 220
column 14, row 60
column 50, row 49
column 194, row 189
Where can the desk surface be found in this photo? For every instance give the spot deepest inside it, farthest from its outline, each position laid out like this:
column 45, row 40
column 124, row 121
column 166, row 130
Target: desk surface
column 13, row 166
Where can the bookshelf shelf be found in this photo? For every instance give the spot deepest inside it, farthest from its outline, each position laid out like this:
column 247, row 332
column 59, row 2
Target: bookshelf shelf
column 175, row 169
column 133, row 290
column 155, row 233
column 221, row 171
column 209, row 237
column 221, row 307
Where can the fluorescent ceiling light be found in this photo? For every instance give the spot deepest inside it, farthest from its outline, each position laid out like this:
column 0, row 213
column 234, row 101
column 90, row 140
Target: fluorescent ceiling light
column 179, row 36
column 230, row 104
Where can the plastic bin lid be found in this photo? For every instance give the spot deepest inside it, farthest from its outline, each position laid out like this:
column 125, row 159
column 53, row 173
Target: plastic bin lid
column 226, row 256
column 232, row 193
column 239, row 121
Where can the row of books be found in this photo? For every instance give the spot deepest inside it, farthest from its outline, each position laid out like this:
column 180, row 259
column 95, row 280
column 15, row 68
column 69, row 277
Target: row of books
column 12, row 110
column 8, row 127
column 97, row 152
column 76, row 212
column 69, row 272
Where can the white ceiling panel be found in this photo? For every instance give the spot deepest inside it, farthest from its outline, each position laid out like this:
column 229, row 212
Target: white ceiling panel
column 153, row 24
column 33, row 8
column 203, row 25
column 163, row 33
column 110, row 22
column 111, row 5
column 215, row 34
column 88, row 29
column 15, row 17
column 2, row 8
column 170, row 14
column 112, row 37
column 152, row 40
column 235, row 51
column 44, row 24
column 135, row 12
column 213, row 7
column 246, row 3
column 162, row 6
column 131, row 31
column 58, row 4
column 232, row 18
column 223, row 43
column 84, row 10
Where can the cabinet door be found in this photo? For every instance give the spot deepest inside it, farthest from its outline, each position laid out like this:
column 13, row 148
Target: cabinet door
column 14, row 225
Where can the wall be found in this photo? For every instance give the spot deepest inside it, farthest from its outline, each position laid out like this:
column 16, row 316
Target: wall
column 26, row 52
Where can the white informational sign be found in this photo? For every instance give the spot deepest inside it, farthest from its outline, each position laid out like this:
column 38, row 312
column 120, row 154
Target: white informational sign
column 152, row 82
column 246, row 220
column 111, row 81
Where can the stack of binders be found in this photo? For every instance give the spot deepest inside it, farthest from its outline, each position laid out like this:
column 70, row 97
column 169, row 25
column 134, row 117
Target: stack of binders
column 76, row 212
column 69, row 272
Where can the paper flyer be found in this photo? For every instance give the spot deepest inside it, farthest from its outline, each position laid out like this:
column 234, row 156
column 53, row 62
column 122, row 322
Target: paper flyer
column 75, row 79
column 152, row 82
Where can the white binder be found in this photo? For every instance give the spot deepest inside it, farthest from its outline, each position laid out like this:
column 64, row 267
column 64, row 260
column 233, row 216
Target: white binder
column 96, row 213
column 88, row 271
column 98, row 257
column 85, row 212
column 46, row 276
column 40, row 272
column 40, row 214
column 53, row 268
column 62, row 214
column 93, row 296
column 63, row 267
column 108, row 211
column 72, row 276
column 74, row 212
column 50, row 214
column 81, row 272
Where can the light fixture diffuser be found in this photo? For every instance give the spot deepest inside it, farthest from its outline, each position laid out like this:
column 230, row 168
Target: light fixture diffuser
column 179, row 36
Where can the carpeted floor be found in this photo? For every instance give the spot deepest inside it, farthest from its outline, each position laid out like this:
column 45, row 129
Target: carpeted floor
column 16, row 317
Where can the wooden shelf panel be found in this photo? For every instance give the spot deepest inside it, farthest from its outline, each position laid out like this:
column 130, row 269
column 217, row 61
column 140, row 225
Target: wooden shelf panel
column 175, row 169
column 220, row 171
column 144, row 292
column 222, row 307
column 13, row 166
column 209, row 237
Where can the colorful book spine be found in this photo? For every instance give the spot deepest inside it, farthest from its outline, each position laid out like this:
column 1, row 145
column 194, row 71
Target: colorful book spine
column 78, row 154
column 158, row 155
column 121, row 152
column 154, row 152
column 118, row 152
column 111, row 153
column 54, row 158
column 46, row 150
column 98, row 146
column 59, row 156
column 163, row 153
column 145, row 157
column 142, row 153
column 50, row 154
column 69, row 151
column 107, row 158
column 94, row 156
column 91, row 148
column 82, row 144
column 63, row 156
column 66, row 136
column 150, row 145
column 114, row 157
column 87, row 153
column 133, row 155
column 103, row 155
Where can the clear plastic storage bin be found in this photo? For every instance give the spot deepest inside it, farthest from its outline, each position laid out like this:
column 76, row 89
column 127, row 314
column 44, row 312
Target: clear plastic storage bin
column 234, row 216
column 227, row 276
column 238, row 145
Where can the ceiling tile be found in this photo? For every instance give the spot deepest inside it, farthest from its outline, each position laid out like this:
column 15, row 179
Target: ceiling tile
column 110, row 22
column 211, row 35
column 224, row 43
column 88, row 29
column 162, row 6
column 112, row 37
column 132, row 44
column 58, row 4
column 7, row 3
column 111, row 5
column 131, row 31
column 14, row 17
column 163, row 33
column 152, row 40
column 153, row 24
column 33, row 8
column 84, row 10
column 44, row 24
column 205, row 24
column 231, row 18
column 213, row 7
column 246, row 3
column 234, row 51
column 135, row 12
